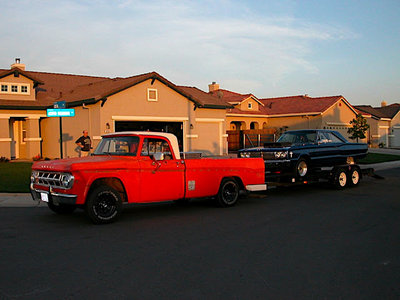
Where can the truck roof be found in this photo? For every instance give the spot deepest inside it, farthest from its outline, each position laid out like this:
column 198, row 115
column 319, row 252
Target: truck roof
column 171, row 137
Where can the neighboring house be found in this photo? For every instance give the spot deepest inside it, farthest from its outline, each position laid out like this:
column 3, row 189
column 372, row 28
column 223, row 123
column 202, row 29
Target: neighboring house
column 286, row 113
column 384, row 124
column 103, row 105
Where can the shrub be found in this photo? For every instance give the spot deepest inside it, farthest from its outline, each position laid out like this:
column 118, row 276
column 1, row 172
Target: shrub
column 4, row 159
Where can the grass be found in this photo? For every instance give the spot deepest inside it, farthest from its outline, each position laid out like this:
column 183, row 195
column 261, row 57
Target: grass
column 15, row 177
column 373, row 158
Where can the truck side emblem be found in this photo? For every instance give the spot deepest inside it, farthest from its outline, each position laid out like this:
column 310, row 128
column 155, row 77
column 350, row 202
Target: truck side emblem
column 191, row 185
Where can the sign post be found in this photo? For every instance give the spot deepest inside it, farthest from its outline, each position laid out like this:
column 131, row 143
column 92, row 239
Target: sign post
column 60, row 111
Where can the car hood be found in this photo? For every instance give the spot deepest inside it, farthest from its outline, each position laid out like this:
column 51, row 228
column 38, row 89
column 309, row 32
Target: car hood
column 83, row 163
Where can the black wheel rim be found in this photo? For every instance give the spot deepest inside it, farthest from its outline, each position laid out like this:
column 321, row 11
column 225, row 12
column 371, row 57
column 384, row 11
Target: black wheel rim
column 230, row 193
column 105, row 206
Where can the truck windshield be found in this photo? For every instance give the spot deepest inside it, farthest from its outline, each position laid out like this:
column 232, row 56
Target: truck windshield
column 118, row 145
column 298, row 137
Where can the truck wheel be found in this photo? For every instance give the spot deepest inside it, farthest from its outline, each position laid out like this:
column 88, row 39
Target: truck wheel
column 340, row 178
column 103, row 205
column 355, row 176
column 61, row 209
column 228, row 193
column 301, row 168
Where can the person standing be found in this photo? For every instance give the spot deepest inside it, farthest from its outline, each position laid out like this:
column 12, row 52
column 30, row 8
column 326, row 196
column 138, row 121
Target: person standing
column 85, row 144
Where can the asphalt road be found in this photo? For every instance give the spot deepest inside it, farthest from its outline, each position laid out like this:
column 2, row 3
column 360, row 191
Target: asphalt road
column 307, row 242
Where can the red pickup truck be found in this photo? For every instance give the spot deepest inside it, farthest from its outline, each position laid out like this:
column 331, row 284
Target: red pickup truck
column 140, row 167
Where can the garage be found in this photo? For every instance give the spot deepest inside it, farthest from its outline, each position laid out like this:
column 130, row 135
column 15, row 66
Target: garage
column 171, row 127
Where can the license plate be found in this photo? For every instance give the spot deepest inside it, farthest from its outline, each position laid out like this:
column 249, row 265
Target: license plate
column 44, row 197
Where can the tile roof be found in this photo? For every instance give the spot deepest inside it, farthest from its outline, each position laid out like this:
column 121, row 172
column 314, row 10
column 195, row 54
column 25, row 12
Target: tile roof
column 76, row 89
column 231, row 97
column 388, row 111
column 292, row 105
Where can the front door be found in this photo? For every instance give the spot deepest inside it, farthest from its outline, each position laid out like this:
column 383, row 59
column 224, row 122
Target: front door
column 160, row 180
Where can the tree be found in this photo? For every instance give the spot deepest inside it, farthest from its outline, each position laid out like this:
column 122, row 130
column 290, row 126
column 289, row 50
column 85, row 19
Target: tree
column 359, row 128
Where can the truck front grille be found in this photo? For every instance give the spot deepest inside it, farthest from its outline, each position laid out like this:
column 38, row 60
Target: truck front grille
column 53, row 179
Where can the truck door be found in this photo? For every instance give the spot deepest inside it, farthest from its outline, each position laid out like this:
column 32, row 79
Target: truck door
column 161, row 180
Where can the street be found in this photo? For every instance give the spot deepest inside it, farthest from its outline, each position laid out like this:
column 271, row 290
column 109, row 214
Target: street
column 305, row 242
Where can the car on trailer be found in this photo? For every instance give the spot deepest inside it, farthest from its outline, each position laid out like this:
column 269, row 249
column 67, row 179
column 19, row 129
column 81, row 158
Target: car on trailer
column 301, row 156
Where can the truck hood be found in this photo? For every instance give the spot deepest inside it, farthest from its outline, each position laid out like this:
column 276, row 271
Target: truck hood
column 83, row 163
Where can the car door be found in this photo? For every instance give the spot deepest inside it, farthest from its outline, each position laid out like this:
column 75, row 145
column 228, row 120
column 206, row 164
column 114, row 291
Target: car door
column 160, row 180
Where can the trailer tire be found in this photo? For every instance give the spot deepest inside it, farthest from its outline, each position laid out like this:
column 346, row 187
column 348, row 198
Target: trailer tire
column 302, row 168
column 228, row 193
column 61, row 209
column 340, row 178
column 354, row 176
column 103, row 205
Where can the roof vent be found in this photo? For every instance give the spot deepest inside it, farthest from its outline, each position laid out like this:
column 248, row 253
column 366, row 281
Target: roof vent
column 18, row 64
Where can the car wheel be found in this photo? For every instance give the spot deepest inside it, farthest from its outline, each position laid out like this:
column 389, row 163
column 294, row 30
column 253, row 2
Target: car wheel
column 228, row 193
column 61, row 209
column 340, row 178
column 103, row 205
column 354, row 177
column 302, row 168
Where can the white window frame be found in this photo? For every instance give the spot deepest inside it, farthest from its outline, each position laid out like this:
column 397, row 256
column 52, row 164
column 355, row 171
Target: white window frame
column 12, row 88
column 148, row 95
column 250, row 105
column 19, row 88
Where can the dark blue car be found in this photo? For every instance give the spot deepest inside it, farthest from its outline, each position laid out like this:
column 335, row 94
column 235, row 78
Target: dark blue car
column 296, row 153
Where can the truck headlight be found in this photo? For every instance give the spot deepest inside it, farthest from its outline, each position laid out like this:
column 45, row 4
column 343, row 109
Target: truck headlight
column 34, row 176
column 281, row 154
column 67, row 180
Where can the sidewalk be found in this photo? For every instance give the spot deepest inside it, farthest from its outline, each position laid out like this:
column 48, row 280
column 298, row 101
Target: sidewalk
column 25, row 199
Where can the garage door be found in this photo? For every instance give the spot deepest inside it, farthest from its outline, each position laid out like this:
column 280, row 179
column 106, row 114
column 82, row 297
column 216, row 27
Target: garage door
column 395, row 139
column 170, row 127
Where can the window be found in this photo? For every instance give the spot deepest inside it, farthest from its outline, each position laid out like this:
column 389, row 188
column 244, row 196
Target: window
column 152, row 146
column 14, row 89
column 24, row 89
column 152, row 95
column 4, row 88
column 250, row 105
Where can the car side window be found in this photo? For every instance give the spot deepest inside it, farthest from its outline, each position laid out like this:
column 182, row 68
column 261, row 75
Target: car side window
column 323, row 137
column 333, row 138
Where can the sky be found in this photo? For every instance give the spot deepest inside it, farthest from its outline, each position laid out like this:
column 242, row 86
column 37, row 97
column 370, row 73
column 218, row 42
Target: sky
column 267, row 48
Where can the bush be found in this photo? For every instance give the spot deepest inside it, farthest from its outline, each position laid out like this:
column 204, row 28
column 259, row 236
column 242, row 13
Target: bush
column 37, row 157
column 4, row 159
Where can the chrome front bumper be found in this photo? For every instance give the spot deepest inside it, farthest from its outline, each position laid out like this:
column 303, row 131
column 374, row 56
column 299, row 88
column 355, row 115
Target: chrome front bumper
column 55, row 198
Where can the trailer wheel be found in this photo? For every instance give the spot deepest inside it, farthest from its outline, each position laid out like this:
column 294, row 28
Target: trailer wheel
column 61, row 209
column 355, row 176
column 302, row 168
column 228, row 193
column 340, row 178
column 103, row 205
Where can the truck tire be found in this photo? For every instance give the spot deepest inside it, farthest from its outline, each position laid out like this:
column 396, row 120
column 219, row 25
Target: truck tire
column 354, row 176
column 228, row 193
column 61, row 209
column 103, row 205
column 340, row 178
column 302, row 168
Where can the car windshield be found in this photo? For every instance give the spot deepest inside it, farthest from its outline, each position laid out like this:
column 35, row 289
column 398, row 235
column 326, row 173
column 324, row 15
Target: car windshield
column 298, row 137
column 118, row 145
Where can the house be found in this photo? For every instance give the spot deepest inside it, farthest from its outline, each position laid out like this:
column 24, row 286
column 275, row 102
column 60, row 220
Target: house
column 102, row 105
column 384, row 124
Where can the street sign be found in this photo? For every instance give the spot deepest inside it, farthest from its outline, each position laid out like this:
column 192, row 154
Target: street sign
column 63, row 112
column 60, row 104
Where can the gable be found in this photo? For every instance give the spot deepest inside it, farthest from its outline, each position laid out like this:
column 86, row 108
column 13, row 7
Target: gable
column 249, row 104
column 16, row 87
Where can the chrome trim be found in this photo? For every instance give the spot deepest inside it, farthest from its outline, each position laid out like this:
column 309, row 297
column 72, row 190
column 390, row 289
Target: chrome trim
column 256, row 187
column 52, row 193
column 277, row 161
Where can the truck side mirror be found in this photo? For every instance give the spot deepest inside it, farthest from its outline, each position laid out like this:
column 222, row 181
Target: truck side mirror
column 158, row 156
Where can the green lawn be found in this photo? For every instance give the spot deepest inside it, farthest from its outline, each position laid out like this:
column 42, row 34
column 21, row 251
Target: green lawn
column 373, row 158
column 15, row 177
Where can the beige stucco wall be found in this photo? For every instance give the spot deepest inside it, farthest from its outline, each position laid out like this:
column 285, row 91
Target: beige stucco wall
column 295, row 122
column 18, row 80
column 394, row 136
column 261, row 121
